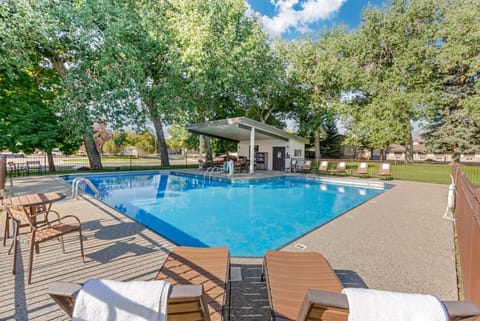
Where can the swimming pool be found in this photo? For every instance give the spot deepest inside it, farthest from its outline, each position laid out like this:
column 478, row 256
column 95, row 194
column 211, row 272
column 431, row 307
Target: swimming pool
column 248, row 217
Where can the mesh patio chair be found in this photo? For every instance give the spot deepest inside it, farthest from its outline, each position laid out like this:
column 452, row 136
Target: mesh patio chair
column 42, row 232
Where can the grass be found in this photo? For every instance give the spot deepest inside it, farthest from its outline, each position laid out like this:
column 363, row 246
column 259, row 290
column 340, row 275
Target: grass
column 109, row 159
column 417, row 172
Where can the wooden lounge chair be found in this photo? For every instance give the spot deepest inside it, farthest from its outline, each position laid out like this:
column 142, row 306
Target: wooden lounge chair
column 185, row 302
column 204, row 267
column 307, row 166
column 362, row 170
column 384, row 171
column 290, row 274
column 40, row 233
column 341, row 169
column 330, row 306
column 302, row 286
column 323, row 167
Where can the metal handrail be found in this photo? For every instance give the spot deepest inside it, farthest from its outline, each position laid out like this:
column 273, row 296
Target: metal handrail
column 76, row 181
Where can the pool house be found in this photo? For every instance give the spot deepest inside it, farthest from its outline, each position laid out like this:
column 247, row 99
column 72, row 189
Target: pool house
column 273, row 148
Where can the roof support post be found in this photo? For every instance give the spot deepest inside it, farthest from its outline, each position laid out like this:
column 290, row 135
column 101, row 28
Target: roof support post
column 252, row 151
column 200, row 155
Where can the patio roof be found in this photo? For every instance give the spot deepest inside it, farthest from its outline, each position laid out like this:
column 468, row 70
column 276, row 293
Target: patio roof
column 237, row 129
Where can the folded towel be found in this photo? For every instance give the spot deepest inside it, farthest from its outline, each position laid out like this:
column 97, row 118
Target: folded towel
column 122, row 301
column 377, row 305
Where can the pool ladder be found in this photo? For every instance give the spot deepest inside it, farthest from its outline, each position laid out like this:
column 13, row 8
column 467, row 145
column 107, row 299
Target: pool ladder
column 76, row 182
column 211, row 170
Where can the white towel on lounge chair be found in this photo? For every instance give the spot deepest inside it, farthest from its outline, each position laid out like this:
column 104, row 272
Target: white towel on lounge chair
column 377, row 305
column 122, row 301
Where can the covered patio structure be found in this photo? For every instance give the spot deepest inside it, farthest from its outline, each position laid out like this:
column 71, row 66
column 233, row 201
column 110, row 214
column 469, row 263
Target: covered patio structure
column 257, row 139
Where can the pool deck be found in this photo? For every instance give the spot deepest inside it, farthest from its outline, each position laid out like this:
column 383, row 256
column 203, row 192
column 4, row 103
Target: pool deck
column 398, row 241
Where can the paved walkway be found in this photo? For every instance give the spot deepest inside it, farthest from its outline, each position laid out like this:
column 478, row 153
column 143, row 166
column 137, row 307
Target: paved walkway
column 397, row 241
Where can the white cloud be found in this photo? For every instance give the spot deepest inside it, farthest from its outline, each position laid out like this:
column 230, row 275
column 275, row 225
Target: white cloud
column 289, row 18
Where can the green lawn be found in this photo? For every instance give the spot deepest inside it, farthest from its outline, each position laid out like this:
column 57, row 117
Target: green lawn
column 417, row 172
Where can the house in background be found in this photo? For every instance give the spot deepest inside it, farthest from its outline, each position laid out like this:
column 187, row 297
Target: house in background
column 471, row 158
column 273, row 148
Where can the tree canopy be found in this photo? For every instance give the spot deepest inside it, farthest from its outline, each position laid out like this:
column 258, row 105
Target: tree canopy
column 68, row 66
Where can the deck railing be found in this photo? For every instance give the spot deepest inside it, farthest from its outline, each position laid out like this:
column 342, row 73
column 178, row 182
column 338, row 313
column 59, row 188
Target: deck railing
column 467, row 218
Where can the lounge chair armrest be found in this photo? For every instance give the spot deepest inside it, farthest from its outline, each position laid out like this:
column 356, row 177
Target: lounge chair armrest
column 461, row 310
column 64, row 294
column 321, row 299
column 184, row 291
column 457, row 310
column 64, row 289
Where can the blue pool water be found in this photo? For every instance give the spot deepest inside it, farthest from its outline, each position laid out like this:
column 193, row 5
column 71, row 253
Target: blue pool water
column 248, row 218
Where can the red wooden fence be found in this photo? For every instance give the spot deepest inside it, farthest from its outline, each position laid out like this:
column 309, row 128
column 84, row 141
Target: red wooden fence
column 467, row 218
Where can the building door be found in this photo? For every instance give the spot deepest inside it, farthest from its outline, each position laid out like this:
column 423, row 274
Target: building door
column 278, row 162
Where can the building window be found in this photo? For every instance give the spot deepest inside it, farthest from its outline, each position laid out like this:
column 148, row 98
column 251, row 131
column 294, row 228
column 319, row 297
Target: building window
column 297, row 152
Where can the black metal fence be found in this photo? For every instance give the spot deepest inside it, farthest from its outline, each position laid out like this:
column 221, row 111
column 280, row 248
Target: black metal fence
column 20, row 165
column 26, row 165
column 429, row 172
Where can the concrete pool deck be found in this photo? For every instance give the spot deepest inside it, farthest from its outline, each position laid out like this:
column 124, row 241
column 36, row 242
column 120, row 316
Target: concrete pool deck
column 398, row 241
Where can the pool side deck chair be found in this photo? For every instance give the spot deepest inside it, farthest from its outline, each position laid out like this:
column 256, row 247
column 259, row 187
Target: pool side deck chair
column 323, row 167
column 208, row 267
column 341, row 169
column 307, row 166
column 290, row 274
column 302, row 286
column 385, row 171
column 199, row 277
column 362, row 170
column 330, row 306
column 185, row 302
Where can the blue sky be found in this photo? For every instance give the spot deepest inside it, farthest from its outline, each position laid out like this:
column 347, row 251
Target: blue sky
column 291, row 18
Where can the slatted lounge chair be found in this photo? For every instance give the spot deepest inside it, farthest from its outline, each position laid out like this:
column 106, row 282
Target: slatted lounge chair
column 206, row 268
column 290, row 274
column 362, row 170
column 330, row 306
column 185, row 302
column 302, row 286
column 384, row 171
column 341, row 169
column 307, row 166
column 323, row 167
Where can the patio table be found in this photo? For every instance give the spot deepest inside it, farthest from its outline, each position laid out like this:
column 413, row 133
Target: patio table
column 32, row 204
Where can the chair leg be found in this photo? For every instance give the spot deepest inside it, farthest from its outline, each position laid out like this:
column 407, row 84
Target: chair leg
column 6, row 233
column 63, row 244
column 15, row 246
column 81, row 245
column 30, row 261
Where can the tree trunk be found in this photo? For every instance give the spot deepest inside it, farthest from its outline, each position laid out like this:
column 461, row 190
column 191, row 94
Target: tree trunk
column 409, row 149
column 51, row 162
column 382, row 154
column 94, row 158
column 208, row 148
column 161, row 143
column 317, row 146
column 157, row 124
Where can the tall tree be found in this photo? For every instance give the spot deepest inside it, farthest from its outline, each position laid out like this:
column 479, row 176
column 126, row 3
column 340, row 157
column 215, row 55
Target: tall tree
column 320, row 68
column 395, row 51
column 455, row 119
